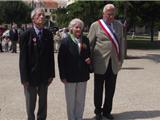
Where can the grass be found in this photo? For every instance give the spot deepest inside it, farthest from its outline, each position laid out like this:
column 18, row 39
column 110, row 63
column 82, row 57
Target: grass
column 142, row 42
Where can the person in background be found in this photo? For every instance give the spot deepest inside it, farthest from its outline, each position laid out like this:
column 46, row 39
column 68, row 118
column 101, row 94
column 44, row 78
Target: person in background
column 64, row 32
column 37, row 68
column 107, row 46
column 6, row 39
column 57, row 41
column 2, row 30
column 14, row 38
column 73, row 61
column 1, row 50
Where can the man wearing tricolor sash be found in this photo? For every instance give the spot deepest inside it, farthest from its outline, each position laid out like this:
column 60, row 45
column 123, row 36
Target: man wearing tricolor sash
column 107, row 49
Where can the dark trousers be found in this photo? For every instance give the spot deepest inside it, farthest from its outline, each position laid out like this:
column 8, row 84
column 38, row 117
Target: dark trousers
column 109, row 81
column 31, row 98
column 1, row 47
column 14, row 46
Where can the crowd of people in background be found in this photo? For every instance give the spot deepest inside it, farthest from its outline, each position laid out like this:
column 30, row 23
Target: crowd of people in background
column 9, row 36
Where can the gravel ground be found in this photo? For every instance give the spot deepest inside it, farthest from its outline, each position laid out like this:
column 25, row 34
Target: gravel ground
column 137, row 95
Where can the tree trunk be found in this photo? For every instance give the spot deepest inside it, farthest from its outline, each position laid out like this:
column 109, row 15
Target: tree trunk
column 152, row 30
column 125, row 41
column 125, row 29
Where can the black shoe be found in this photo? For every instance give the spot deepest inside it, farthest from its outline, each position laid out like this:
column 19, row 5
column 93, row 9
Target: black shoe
column 108, row 116
column 98, row 117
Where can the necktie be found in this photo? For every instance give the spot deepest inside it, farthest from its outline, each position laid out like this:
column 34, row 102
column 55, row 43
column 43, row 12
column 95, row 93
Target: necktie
column 40, row 35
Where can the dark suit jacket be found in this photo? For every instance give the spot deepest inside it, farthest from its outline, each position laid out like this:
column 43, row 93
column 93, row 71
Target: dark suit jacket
column 72, row 66
column 36, row 57
column 13, row 35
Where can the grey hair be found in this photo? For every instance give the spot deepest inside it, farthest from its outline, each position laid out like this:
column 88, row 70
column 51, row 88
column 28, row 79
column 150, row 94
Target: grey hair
column 108, row 6
column 74, row 21
column 35, row 11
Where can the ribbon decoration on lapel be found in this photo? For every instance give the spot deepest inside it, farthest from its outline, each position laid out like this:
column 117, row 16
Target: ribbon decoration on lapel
column 111, row 36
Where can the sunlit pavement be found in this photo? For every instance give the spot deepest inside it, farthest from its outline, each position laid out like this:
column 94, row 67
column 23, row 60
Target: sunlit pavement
column 137, row 95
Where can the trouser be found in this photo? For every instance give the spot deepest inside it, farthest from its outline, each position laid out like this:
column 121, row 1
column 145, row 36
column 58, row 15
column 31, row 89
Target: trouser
column 6, row 47
column 14, row 46
column 1, row 47
column 109, row 81
column 31, row 98
column 75, row 99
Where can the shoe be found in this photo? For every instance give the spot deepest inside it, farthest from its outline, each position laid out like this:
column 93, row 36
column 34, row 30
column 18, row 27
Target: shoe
column 98, row 117
column 109, row 116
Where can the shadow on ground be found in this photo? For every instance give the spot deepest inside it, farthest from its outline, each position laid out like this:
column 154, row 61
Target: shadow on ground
column 131, row 68
column 89, row 118
column 153, row 57
column 133, row 115
column 143, row 44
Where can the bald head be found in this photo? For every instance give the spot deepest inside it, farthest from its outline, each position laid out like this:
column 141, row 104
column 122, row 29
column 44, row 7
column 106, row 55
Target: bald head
column 108, row 7
column 109, row 11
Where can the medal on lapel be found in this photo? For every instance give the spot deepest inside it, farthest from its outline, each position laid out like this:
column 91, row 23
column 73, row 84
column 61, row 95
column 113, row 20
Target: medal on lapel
column 34, row 41
column 83, row 46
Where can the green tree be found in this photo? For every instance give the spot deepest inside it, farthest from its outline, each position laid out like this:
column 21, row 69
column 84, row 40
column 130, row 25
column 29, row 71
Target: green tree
column 88, row 11
column 14, row 11
column 61, row 17
column 140, row 13
column 150, row 15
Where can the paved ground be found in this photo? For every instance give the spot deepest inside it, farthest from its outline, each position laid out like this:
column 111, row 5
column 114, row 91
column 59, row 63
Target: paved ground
column 137, row 94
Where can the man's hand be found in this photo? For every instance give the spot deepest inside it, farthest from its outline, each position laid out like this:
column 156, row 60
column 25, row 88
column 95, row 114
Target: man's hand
column 25, row 84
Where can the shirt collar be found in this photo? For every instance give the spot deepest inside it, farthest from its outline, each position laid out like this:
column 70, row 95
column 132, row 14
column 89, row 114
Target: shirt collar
column 37, row 30
column 74, row 39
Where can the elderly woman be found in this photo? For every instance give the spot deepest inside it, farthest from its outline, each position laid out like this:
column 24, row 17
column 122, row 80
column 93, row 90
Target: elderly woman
column 73, row 61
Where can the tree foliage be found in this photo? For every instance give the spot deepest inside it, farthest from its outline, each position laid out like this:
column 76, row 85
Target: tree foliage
column 61, row 17
column 141, row 13
column 136, row 13
column 150, row 15
column 88, row 11
column 14, row 11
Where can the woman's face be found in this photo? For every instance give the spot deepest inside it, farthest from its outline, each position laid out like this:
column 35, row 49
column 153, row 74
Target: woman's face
column 77, row 30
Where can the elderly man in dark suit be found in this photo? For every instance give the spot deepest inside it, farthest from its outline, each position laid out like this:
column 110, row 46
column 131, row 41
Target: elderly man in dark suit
column 107, row 46
column 36, row 64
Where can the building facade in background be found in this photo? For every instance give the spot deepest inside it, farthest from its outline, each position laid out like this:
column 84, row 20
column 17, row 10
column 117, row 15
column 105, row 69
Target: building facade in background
column 49, row 5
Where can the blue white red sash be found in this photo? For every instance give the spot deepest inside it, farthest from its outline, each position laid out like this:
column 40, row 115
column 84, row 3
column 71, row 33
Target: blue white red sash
column 110, row 35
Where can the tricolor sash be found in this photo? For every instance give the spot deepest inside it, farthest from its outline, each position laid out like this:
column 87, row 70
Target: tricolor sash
column 112, row 37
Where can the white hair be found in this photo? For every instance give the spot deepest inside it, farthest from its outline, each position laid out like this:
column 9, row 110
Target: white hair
column 74, row 21
column 36, row 10
column 108, row 6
